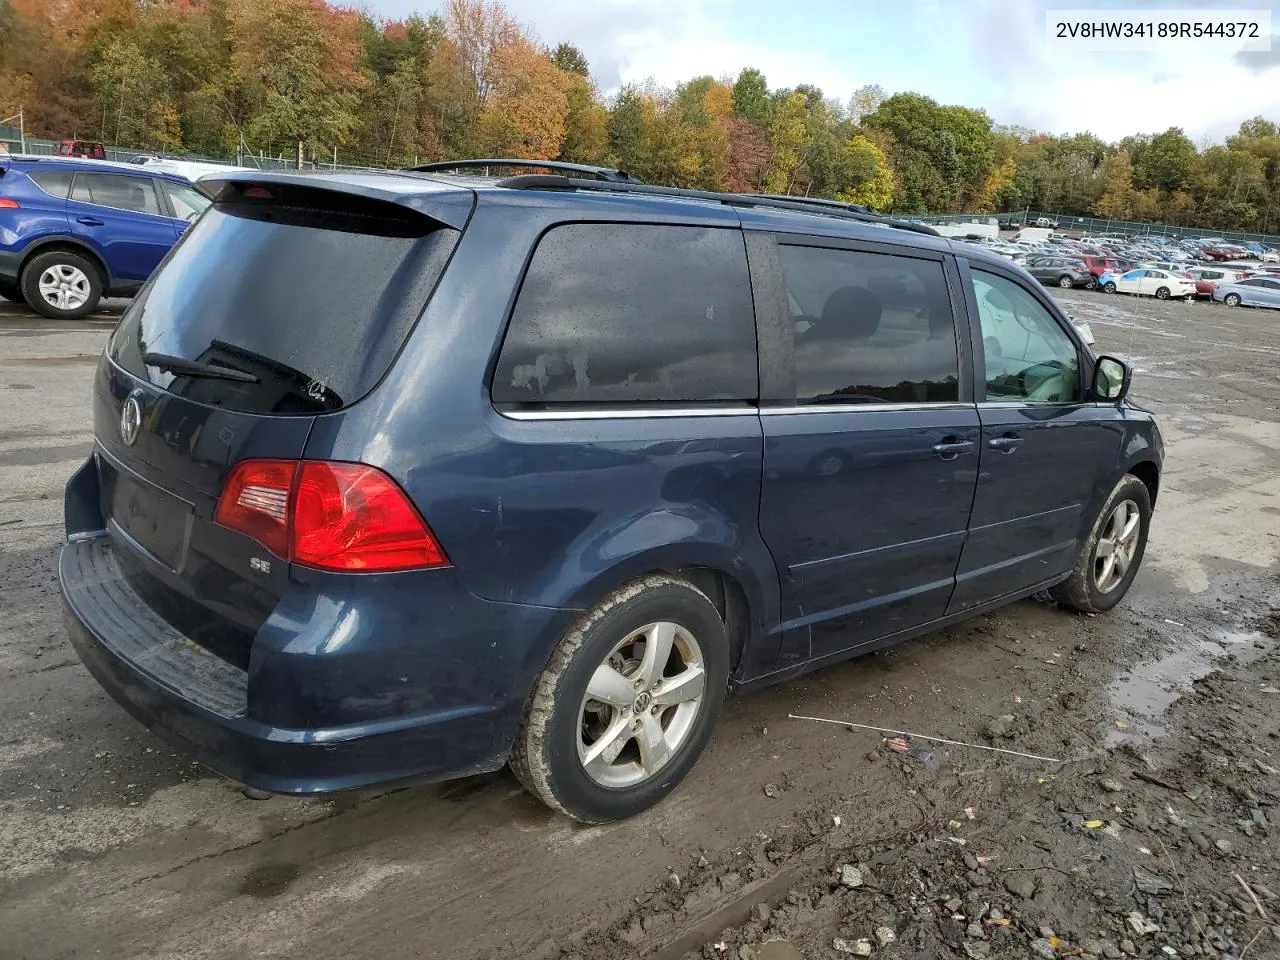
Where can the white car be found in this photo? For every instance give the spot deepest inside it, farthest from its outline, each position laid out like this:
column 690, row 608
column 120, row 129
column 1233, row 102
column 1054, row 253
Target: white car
column 1160, row 284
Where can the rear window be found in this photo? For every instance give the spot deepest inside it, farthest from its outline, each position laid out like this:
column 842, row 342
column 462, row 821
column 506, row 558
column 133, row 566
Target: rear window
column 631, row 313
column 311, row 292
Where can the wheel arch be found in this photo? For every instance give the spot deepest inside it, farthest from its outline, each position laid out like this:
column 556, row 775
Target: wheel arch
column 72, row 245
column 1149, row 473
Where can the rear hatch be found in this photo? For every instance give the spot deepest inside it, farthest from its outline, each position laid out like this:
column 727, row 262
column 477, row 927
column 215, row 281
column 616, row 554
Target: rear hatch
column 284, row 301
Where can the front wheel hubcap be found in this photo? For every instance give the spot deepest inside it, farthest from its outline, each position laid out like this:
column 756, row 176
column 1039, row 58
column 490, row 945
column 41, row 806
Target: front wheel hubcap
column 64, row 287
column 1117, row 546
column 641, row 704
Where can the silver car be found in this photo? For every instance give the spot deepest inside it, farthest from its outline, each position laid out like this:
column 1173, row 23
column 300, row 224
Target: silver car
column 1251, row 292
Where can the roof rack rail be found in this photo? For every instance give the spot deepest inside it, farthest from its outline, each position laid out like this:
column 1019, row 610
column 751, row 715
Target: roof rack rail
column 607, row 174
column 814, row 205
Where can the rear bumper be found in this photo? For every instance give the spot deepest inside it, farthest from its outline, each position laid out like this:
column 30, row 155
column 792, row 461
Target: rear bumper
column 199, row 703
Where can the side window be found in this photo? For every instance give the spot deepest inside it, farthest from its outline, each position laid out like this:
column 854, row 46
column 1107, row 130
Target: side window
column 1029, row 357
column 117, row 190
column 870, row 327
column 188, row 203
column 56, row 183
column 631, row 313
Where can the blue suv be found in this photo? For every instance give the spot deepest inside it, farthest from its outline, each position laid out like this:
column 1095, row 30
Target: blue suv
column 74, row 231
column 411, row 475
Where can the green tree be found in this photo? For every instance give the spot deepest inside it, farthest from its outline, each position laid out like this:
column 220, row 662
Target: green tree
column 788, row 143
column 1166, row 162
column 751, row 97
column 586, row 132
column 132, row 92
column 1117, row 200
column 570, row 59
column 868, row 179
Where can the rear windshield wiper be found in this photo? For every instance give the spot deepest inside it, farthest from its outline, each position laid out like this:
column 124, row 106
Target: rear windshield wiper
column 194, row 368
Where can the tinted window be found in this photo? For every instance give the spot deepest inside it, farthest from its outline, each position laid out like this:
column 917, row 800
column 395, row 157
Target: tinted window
column 56, row 183
column 1029, row 357
column 312, row 292
column 187, row 202
column 869, row 327
column 629, row 313
column 137, row 194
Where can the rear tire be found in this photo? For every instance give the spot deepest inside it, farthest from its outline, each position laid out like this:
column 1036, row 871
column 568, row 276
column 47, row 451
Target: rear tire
column 1064, row 282
column 1095, row 585
column 1232, row 299
column 61, row 285
column 1162, row 293
column 607, row 650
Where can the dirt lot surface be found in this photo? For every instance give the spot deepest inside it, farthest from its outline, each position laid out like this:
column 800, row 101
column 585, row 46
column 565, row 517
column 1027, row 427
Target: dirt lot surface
column 791, row 838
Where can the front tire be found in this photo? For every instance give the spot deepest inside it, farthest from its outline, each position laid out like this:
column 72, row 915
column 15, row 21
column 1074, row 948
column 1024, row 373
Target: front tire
column 1109, row 559
column 1232, row 299
column 627, row 703
column 1162, row 293
column 1064, row 282
column 61, row 285
column 1110, row 287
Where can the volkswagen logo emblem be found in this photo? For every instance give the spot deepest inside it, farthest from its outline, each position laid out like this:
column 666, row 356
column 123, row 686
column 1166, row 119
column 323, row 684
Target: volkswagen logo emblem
column 130, row 421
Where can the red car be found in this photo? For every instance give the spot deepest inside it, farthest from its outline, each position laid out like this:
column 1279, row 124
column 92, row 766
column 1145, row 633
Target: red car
column 1100, row 265
column 88, row 149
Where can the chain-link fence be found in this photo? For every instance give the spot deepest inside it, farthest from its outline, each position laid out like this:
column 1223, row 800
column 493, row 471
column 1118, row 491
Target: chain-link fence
column 11, row 138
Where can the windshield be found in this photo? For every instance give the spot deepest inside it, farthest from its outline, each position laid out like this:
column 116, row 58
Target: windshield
column 311, row 292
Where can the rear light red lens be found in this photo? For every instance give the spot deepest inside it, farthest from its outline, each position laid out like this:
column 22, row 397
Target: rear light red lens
column 348, row 516
column 7, row 204
column 255, row 501
column 333, row 516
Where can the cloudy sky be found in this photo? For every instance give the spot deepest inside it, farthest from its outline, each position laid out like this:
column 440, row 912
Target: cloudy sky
column 980, row 53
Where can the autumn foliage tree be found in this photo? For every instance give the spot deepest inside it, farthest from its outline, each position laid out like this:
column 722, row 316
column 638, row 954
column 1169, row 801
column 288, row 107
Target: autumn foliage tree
column 310, row 80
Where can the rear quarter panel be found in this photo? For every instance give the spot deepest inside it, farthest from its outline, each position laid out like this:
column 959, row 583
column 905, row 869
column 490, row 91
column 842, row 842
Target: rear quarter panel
column 38, row 216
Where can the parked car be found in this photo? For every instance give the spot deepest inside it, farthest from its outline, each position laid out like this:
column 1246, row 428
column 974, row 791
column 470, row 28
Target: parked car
column 1047, row 222
column 1063, row 272
column 1151, row 283
column 88, row 149
column 1249, row 292
column 74, row 231
column 349, row 563
column 1207, row 279
column 1098, row 265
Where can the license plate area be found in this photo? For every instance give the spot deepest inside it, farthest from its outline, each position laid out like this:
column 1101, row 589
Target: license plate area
column 153, row 519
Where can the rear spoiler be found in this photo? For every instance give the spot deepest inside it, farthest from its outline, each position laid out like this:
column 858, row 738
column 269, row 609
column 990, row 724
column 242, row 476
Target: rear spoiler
column 447, row 203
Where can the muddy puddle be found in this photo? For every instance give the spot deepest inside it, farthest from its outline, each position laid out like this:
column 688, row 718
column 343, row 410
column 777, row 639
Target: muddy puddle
column 1141, row 697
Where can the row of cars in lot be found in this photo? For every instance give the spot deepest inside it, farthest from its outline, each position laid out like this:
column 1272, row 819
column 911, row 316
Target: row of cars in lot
column 1161, row 267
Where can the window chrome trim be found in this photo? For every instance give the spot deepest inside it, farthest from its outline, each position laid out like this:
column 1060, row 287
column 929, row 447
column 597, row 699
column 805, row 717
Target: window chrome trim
column 633, row 413
column 863, row 407
column 627, row 413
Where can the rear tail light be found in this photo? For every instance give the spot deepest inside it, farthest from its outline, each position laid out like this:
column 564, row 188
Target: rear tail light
column 7, row 204
column 328, row 515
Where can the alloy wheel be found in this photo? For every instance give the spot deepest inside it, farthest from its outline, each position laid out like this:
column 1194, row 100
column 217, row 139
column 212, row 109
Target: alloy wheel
column 641, row 704
column 1117, row 546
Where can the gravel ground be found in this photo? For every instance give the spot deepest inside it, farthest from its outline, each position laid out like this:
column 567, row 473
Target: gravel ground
column 791, row 838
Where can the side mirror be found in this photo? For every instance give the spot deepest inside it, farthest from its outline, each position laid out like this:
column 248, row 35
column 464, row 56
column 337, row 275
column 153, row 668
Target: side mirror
column 1111, row 379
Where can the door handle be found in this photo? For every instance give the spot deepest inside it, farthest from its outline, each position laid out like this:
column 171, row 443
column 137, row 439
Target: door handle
column 90, row 221
column 1006, row 444
column 952, row 447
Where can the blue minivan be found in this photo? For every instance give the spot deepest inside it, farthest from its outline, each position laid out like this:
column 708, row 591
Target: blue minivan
column 74, row 231
column 411, row 475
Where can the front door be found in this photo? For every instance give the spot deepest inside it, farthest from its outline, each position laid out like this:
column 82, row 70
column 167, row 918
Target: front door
column 870, row 464
column 1040, row 448
column 121, row 216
